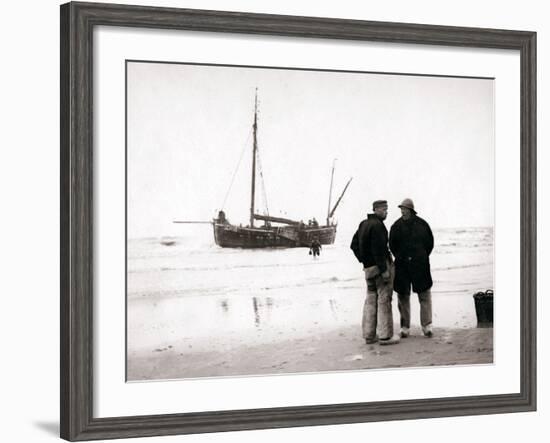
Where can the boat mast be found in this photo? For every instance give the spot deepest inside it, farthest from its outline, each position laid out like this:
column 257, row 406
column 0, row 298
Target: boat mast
column 254, row 149
column 330, row 191
column 340, row 198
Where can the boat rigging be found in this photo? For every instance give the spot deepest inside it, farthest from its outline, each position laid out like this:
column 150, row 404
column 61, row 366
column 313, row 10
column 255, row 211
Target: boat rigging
column 289, row 233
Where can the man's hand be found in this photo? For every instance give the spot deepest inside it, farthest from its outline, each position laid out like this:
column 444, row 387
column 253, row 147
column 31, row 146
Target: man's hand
column 386, row 276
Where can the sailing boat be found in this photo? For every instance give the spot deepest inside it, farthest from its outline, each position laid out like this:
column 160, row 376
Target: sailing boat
column 287, row 233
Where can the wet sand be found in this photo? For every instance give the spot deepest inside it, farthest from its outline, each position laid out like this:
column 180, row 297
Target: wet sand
column 335, row 350
column 208, row 311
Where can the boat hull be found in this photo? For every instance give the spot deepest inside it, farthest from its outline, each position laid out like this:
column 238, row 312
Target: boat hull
column 231, row 236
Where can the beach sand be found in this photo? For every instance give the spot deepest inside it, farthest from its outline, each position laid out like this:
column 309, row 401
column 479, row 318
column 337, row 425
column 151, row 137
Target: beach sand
column 205, row 311
column 336, row 350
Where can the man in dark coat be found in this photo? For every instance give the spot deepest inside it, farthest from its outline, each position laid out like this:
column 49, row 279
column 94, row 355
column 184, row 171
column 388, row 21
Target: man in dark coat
column 411, row 242
column 315, row 248
column 370, row 246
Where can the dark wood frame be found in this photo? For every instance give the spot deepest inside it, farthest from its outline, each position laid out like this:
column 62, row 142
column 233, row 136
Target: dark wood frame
column 77, row 24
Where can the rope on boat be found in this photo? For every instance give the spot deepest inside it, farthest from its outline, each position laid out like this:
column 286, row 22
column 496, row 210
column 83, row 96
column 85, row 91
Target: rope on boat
column 236, row 169
column 263, row 181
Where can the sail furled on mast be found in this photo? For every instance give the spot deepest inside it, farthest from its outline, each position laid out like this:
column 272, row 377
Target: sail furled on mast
column 269, row 218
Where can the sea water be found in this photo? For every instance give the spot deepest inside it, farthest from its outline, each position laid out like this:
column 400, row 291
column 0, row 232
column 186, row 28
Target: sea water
column 209, row 296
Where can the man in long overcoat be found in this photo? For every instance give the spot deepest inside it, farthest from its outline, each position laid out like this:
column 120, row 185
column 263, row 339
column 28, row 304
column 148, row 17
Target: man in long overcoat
column 412, row 242
column 370, row 246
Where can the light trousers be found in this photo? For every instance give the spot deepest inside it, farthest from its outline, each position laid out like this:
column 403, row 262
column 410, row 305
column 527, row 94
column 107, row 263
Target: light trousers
column 377, row 310
column 404, row 304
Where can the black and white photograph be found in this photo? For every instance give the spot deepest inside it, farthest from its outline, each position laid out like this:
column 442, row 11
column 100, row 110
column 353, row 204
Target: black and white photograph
column 283, row 220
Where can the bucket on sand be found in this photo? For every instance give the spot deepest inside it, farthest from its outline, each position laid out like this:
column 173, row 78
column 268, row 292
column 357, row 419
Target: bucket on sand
column 484, row 308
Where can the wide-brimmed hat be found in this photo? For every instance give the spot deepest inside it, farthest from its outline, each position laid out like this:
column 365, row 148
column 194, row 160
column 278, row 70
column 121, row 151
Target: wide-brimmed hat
column 407, row 203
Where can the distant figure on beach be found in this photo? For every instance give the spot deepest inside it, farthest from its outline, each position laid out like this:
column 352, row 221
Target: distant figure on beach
column 315, row 248
column 370, row 246
column 411, row 242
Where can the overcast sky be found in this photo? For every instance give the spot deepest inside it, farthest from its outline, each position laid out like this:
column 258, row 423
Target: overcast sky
column 427, row 138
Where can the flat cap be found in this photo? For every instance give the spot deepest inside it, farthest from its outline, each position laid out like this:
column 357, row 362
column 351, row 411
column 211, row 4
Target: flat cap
column 379, row 203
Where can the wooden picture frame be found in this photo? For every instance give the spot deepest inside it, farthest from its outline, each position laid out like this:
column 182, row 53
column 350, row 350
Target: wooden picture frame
column 77, row 23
